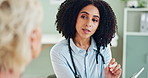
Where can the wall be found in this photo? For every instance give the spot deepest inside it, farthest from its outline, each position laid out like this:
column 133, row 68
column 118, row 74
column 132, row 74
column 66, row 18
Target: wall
column 118, row 7
column 50, row 11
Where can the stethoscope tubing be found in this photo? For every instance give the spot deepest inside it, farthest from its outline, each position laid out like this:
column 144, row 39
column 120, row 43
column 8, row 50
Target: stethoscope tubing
column 75, row 71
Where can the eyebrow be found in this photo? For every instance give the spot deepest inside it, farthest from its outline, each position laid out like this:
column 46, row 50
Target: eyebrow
column 88, row 14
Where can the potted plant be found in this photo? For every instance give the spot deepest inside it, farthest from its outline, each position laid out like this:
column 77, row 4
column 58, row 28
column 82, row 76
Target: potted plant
column 142, row 4
column 135, row 3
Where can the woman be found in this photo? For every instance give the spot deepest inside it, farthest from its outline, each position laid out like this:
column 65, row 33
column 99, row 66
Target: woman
column 20, row 35
column 88, row 26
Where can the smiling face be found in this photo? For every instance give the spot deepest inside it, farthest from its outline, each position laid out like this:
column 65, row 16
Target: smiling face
column 87, row 22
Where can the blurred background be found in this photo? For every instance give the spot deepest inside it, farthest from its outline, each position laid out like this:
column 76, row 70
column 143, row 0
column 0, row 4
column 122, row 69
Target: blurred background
column 130, row 47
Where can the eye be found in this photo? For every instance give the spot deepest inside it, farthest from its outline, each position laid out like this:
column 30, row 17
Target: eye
column 83, row 16
column 95, row 20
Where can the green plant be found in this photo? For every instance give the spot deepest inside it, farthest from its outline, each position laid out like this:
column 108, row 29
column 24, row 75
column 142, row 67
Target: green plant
column 142, row 4
column 124, row 0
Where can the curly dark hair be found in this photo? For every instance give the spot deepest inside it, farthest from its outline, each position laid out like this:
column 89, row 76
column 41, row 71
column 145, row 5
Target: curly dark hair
column 68, row 13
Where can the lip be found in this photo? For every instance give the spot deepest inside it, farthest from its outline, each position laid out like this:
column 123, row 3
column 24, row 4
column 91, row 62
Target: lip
column 86, row 31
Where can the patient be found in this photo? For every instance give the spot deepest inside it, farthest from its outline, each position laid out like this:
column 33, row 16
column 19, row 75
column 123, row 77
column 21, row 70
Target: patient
column 20, row 35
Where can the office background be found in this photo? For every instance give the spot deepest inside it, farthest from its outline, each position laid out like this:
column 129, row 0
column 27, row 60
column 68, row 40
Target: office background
column 41, row 67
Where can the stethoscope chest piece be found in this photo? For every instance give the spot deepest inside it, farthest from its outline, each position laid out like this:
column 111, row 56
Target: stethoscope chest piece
column 78, row 76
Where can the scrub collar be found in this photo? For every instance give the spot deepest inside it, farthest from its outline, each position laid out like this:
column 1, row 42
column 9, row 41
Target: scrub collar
column 76, row 49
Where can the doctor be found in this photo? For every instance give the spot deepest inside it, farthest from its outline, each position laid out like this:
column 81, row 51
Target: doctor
column 88, row 26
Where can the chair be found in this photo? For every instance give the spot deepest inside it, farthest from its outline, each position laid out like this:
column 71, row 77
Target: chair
column 52, row 76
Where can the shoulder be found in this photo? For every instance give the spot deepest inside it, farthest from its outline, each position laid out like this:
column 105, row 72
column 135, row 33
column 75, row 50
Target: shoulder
column 60, row 47
column 105, row 50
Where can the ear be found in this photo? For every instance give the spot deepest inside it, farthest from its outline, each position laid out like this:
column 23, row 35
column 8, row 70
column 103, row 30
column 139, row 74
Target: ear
column 35, row 41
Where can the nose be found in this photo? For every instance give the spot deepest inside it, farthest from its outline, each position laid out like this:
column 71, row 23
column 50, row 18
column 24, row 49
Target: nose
column 88, row 23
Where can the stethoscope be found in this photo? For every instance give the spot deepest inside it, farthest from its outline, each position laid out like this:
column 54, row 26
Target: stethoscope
column 75, row 71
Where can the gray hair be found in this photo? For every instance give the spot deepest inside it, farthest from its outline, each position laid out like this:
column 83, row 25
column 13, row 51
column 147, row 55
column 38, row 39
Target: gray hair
column 17, row 20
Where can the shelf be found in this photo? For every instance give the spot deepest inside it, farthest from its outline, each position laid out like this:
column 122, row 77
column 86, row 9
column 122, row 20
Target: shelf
column 55, row 38
column 137, row 33
column 136, row 9
column 132, row 36
column 51, row 38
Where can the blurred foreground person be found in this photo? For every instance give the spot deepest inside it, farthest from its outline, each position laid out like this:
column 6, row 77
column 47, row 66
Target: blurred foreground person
column 20, row 35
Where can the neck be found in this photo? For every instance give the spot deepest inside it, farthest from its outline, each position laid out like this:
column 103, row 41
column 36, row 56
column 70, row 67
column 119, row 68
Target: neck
column 9, row 74
column 82, row 43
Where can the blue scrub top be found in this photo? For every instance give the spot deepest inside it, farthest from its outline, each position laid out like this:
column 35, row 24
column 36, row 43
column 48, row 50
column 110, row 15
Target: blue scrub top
column 85, row 62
